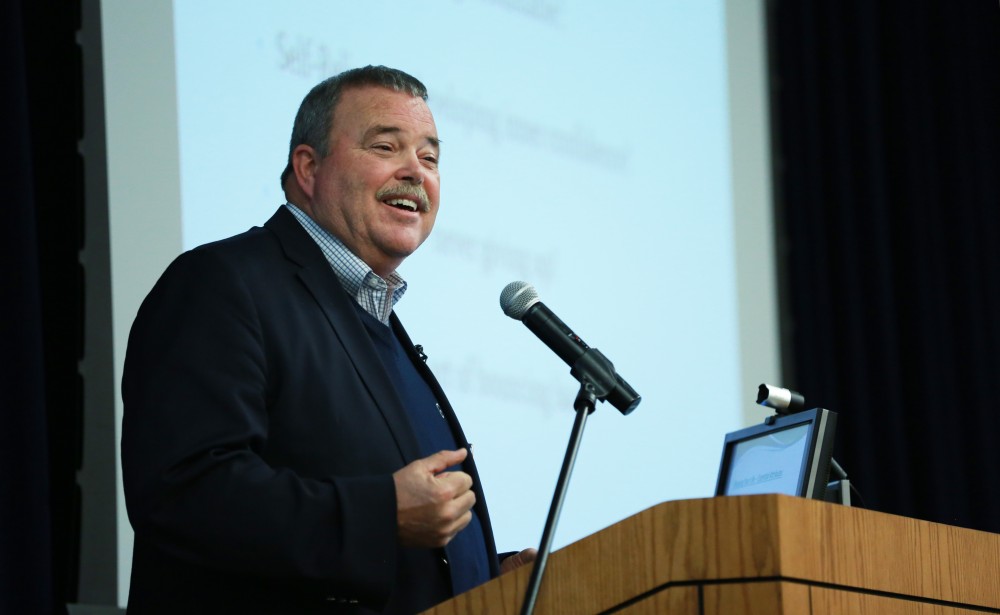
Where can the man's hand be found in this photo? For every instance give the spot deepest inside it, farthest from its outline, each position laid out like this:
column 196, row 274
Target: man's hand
column 517, row 560
column 433, row 505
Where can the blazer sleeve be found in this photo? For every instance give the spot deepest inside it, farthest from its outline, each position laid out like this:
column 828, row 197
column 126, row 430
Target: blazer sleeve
column 196, row 420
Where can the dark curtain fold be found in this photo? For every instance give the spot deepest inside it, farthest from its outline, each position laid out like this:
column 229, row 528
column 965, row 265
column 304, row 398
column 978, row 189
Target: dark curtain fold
column 41, row 311
column 25, row 514
column 887, row 158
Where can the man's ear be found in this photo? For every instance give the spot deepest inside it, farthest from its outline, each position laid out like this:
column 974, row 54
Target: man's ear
column 305, row 162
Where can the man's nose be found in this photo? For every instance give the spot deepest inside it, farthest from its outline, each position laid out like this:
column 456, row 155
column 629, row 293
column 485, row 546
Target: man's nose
column 411, row 171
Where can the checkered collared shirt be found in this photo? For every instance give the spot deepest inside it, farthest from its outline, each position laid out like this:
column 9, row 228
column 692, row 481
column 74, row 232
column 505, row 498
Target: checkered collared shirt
column 375, row 295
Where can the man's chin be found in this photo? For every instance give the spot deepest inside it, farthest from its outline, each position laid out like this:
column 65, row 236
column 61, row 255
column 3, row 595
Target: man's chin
column 403, row 246
column 392, row 255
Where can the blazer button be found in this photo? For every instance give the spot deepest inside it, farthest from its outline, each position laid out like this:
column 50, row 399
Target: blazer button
column 444, row 561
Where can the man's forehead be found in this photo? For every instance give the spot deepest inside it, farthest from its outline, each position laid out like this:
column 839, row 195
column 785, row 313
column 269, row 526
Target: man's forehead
column 375, row 110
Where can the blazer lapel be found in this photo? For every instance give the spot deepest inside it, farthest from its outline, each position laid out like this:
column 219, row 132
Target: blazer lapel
column 318, row 277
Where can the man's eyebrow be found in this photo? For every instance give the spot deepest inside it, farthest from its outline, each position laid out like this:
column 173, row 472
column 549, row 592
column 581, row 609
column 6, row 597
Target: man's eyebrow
column 382, row 129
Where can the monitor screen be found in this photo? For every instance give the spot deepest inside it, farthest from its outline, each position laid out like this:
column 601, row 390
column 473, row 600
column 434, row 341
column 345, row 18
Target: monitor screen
column 788, row 454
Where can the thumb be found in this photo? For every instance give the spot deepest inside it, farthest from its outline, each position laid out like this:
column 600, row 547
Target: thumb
column 439, row 462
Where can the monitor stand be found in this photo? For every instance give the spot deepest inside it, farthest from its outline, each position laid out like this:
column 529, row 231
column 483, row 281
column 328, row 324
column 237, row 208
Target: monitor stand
column 839, row 492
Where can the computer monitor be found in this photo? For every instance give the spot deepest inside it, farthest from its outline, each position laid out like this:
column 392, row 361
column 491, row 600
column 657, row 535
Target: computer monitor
column 787, row 454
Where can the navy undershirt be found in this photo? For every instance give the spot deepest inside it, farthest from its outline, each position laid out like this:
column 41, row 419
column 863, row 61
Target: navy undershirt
column 469, row 565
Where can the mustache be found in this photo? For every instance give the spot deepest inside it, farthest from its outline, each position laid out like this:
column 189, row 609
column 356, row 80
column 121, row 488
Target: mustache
column 417, row 193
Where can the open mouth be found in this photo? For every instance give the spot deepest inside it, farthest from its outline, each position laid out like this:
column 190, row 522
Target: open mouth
column 400, row 203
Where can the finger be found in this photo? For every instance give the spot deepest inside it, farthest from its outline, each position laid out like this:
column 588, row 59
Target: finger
column 447, row 533
column 517, row 560
column 460, row 524
column 456, row 482
column 464, row 502
column 453, row 515
column 438, row 462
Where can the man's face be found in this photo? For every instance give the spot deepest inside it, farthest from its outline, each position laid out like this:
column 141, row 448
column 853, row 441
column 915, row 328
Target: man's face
column 378, row 188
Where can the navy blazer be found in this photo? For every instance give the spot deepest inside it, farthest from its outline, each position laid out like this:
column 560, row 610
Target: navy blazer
column 260, row 435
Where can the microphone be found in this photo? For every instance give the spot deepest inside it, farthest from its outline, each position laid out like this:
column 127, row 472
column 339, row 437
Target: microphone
column 520, row 301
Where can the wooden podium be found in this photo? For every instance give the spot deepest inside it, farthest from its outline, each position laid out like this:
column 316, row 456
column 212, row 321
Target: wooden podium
column 764, row 554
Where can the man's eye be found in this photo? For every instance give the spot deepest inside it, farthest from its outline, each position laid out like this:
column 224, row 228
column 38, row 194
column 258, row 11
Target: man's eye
column 382, row 146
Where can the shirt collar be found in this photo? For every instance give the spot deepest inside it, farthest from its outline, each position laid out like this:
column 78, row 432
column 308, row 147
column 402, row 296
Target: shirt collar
column 376, row 295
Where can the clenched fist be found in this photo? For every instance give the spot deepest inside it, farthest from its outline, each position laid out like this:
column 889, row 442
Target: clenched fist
column 433, row 505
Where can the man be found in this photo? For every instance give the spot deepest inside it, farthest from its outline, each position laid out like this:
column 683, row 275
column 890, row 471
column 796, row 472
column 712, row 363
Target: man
column 285, row 448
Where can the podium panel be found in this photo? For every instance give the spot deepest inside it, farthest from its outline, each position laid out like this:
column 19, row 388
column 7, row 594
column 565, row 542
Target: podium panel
column 770, row 554
column 831, row 602
column 673, row 600
column 764, row 598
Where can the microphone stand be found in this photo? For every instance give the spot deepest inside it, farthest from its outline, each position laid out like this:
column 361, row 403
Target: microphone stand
column 597, row 379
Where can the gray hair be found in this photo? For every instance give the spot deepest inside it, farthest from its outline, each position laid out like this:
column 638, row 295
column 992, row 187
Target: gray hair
column 315, row 116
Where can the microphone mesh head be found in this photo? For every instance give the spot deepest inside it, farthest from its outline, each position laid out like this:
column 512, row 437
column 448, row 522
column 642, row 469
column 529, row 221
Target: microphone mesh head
column 516, row 298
